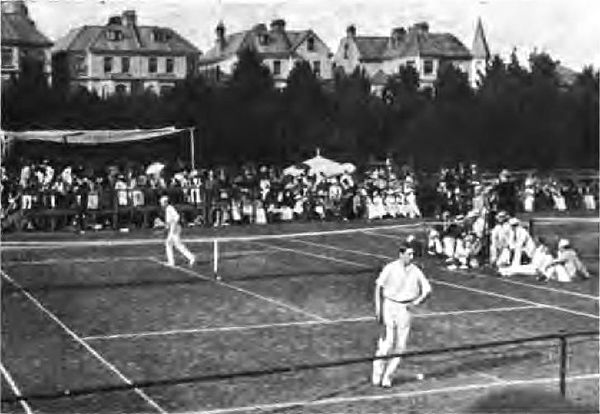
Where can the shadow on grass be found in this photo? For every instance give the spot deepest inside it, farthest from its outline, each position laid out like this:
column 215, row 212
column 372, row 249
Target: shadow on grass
column 528, row 400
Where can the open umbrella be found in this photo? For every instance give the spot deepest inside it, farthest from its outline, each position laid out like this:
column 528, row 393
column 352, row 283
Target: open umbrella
column 155, row 168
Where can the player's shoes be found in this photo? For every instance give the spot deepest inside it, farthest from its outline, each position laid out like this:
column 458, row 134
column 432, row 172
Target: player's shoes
column 192, row 261
column 376, row 380
column 420, row 376
column 386, row 382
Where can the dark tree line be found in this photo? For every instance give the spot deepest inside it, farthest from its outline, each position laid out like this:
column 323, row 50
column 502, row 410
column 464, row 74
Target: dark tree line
column 518, row 117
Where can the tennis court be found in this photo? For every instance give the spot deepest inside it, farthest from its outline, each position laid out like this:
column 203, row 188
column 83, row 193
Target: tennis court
column 108, row 327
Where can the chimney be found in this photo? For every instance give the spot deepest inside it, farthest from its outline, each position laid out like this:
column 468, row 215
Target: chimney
column 129, row 18
column 220, row 31
column 397, row 36
column 278, row 25
column 351, row 31
column 115, row 20
column 421, row 27
column 15, row 6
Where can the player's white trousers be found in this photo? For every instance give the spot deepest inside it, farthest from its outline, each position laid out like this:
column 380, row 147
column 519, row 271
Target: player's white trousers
column 174, row 240
column 396, row 319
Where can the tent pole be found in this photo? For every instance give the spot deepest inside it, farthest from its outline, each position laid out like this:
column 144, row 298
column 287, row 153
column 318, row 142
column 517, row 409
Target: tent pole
column 192, row 149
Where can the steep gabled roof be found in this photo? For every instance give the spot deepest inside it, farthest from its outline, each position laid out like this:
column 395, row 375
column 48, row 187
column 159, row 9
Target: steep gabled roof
column 281, row 43
column 19, row 29
column 371, row 48
column 415, row 42
column 134, row 39
column 480, row 47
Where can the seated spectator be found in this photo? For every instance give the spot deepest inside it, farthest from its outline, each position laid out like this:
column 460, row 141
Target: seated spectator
column 499, row 241
column 567, row 265
column 520, row 242
column 540, row 265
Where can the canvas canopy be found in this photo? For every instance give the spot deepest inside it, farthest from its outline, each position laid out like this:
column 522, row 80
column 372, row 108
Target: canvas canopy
column 89, row 137
column 98, row 146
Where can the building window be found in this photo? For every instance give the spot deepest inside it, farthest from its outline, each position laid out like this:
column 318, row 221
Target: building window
column 263, row 39
column 277, row 67
column 170, row 65
column 121, row 89
column 410, row 63
column 124, row 65
column 161, row 36
column 114, row 35
column 152, row 65
column 7, row 57
column 346, row 47
column 310, row 44
column 79, row 65
column 108, row 64
column 317, row 68
column 428, row 67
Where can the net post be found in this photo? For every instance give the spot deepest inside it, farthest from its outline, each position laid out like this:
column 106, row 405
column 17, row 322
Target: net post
column 216, row 259
column 563, row 363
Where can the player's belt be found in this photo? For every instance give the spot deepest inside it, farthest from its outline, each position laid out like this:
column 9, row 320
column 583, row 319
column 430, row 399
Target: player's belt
column 403, row 302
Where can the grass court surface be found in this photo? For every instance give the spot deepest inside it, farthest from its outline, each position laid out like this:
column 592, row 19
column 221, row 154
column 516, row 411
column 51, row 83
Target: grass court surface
column 101, row 315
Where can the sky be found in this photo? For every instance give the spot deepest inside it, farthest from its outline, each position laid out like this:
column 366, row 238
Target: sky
column 566, row 29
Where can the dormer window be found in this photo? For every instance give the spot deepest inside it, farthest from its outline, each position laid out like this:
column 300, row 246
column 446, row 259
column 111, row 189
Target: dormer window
column 114, row 35
column 310, row 44
column 263, row 39
column 161, row 36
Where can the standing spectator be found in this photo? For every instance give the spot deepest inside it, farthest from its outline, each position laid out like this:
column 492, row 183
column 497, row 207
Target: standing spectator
column 507, row 193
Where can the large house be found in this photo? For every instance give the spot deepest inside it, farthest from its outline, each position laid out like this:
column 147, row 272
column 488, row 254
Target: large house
column 123, row 57
column 21, row 40
column 278, row 48
column 382, row 56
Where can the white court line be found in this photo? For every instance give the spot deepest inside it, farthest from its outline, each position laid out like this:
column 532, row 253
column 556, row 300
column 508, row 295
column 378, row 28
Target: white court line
column 515, row 282
column 248, row 292
column 135, row 335
column 146, row 241
column 333, row 259
column 15, row 389
column 87, row 346
column 103, row 259
column 485, row 292
column 76, row 260
column 331, row 247
column 391, row 396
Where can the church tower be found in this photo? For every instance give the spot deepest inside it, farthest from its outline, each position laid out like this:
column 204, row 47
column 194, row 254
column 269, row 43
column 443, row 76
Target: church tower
column 480, row 52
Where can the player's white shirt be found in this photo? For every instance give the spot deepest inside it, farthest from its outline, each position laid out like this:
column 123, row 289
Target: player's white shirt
column 402, row 284
column 171, row 216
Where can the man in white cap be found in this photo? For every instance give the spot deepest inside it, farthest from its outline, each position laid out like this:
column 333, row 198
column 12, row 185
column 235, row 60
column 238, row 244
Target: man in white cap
column 400, row 285
column 520, row 242
column 173, row 228
column 499, row 237
column 567, row 265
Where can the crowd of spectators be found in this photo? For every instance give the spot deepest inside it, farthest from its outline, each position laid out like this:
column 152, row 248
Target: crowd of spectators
column 88, row 198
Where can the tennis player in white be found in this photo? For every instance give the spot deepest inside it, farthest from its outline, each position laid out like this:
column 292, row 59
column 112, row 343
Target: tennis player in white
column 400, row 285
column 173, row 228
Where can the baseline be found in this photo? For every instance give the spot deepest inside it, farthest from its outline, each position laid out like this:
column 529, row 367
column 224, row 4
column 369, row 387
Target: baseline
column 145, row 241
column 83, row 343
